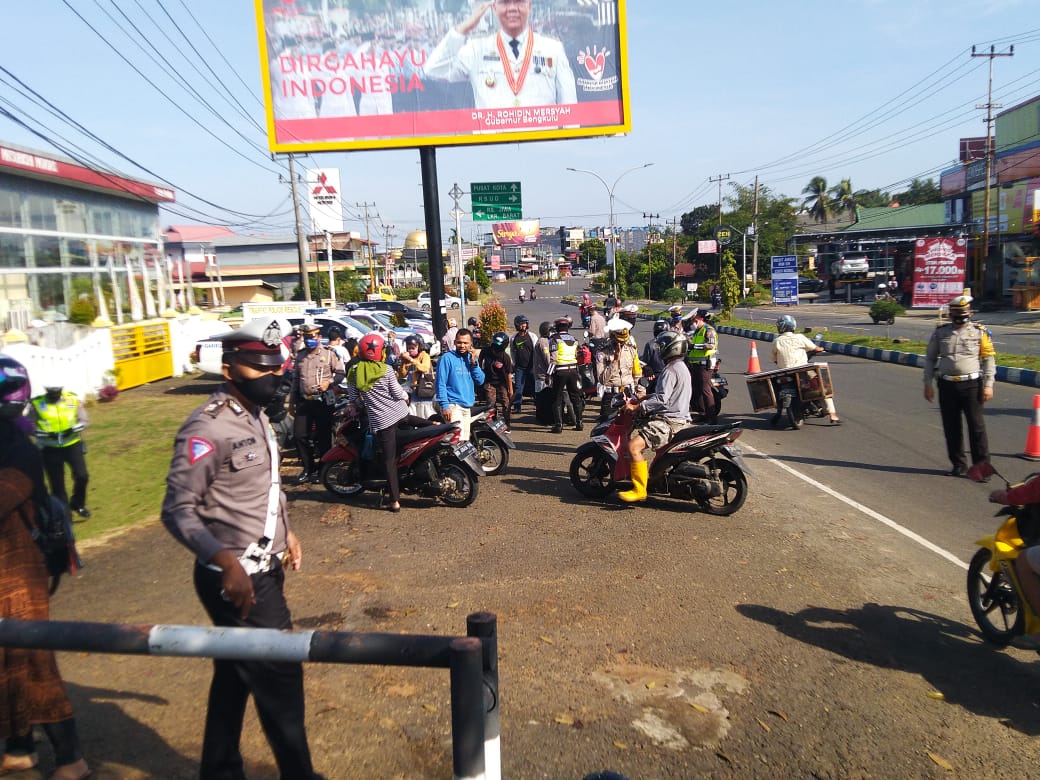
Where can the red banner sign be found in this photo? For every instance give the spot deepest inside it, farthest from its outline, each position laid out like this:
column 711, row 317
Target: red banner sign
column 939, row 270
column 516, row 233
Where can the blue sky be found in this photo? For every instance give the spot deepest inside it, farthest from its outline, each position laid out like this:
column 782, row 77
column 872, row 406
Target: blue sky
column 877, row 91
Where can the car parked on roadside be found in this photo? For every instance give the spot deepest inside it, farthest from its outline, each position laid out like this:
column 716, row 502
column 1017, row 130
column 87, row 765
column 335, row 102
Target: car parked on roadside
column 810, row 284
column 425, row 302
column 850, row 266
column 393, row 307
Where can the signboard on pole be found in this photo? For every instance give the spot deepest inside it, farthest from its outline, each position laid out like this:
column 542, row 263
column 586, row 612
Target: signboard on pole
column 785, row 279
column 325, row 200
column 495, row 200
column 399, row 74
column 940, row 265
column 516, row 233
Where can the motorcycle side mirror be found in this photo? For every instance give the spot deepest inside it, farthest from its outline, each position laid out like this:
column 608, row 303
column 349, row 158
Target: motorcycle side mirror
column 818, row 338
column 586, row 335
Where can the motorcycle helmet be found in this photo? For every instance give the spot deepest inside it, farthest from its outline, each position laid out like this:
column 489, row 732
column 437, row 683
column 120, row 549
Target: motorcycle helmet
column 520, row 319
column 472, row 323
column 544, row 329
column 618, row 330
column 413, row 341
column 660, row 326
column 671, row 345
column 629, row 313
column 786, row 324
column 499, row 341
column 562, row 324
column 960, row 309
column 371, row 347
column 14, row 388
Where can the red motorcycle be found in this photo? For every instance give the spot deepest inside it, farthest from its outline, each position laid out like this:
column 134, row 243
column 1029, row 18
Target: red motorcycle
column 700, row 463
column 432, row 461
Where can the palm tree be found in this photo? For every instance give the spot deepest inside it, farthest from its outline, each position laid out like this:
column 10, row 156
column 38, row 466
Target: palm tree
column 818, row 203
column 845, row 198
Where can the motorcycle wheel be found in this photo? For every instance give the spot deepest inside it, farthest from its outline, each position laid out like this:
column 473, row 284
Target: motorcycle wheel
column 464, row 489
column 993, row 601
column 734, row 489
column 494, row 457
column 794, row 416
column 592, row 471
column 342, row 478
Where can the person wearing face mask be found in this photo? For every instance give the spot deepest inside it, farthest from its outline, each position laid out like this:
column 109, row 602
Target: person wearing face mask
column 224, row 503
column 58, row 417
column 416, row 365
column 318, row 370
column 457, row 373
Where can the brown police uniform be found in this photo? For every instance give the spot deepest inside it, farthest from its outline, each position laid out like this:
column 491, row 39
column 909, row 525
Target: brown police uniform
column 218, row 492
column 317, row 370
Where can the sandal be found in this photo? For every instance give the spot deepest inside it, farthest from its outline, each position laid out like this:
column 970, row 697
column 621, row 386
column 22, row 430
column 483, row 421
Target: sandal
column 18, row 763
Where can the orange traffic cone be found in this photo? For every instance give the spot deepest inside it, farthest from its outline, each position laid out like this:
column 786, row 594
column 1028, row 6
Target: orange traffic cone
column 1033, row 437
column 753, row 366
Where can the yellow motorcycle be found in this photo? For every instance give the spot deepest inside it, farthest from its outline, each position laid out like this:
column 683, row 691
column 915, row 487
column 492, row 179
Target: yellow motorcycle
column 994, row 594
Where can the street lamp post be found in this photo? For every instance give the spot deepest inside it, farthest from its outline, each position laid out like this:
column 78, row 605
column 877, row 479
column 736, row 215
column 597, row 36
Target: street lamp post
column 610, row 195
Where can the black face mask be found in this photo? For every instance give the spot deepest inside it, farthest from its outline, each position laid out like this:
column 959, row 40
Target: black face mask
column 54, row 397
column 260, row 390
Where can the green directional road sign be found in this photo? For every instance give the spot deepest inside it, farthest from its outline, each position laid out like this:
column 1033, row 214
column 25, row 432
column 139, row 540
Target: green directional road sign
column 496, row 213
column 496, row 200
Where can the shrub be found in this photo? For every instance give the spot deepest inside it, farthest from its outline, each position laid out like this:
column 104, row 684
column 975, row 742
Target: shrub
column 635, row 290
column 673, row 295
column 407, row 293
column 472, row 291
column 885, row 310
column 108, row 393
column 492, row 319
column 82, row 311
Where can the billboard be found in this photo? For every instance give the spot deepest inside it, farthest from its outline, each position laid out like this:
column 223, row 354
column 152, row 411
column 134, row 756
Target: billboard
column 785, row 279
column 939, row 270
column 325, row 200
column 516, row 233
column 410, row 74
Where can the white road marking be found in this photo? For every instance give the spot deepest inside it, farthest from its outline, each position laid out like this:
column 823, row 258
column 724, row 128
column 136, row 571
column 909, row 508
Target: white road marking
column 861, row 508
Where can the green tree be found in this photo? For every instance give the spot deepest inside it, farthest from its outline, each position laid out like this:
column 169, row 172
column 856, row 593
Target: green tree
column 844, row 198
column 692, row 222
column 350, row 286
column 872, row 199
column 729, row 282
column 475, row 271
column 918, row 193
column 593, row 251
column 818, row 202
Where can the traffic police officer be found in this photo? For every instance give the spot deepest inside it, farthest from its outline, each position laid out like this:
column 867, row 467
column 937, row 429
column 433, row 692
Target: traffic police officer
column 704, row 344
column 58, row 417
column 563, row 368
column 318, row 370
column 960, row 355
column 224, row 503
column 513, row 67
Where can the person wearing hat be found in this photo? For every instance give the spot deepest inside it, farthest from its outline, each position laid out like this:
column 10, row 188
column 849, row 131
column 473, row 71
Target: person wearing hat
column 961, row 358
column 224, row 503
column 701, row 358
column 675, row 319
column 597, row 323
column 318, row 370
column 620, row 368
column 58, row 417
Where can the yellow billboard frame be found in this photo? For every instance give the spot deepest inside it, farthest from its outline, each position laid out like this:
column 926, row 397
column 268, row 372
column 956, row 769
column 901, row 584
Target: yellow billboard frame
column 417, row 141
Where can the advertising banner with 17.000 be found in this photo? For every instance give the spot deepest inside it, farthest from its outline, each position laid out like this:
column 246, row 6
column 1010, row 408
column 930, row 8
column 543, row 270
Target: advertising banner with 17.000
column 406, row 73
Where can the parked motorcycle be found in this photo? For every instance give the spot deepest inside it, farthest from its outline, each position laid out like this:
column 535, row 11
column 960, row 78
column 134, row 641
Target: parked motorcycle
column 994, row 593
column 488, row 434
column 431, row 461
column 700, row 464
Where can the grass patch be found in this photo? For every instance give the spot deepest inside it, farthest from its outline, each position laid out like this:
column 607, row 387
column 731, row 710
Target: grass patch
column 129, row 445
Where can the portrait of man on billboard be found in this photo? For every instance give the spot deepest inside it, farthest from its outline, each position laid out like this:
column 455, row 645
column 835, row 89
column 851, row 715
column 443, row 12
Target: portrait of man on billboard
column 513, row 67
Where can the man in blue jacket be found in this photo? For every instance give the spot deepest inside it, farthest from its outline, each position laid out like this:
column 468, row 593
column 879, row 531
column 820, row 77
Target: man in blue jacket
column 457, row 374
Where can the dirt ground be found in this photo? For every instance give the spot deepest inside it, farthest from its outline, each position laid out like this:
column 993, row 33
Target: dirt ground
column 795, row 639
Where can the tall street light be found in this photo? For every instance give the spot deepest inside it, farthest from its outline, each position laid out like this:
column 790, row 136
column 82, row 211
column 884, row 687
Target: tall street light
column 610, row 194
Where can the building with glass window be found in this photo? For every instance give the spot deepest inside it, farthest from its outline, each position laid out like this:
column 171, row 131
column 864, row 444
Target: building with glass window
column 69, row 231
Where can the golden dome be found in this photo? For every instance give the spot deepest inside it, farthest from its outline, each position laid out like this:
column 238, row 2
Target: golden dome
column 415, row 240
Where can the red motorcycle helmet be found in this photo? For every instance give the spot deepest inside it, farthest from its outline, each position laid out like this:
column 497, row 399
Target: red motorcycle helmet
column 371, row 347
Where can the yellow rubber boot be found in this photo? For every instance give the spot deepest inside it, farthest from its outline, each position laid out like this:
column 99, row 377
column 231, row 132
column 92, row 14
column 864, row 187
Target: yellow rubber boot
column 640, row 474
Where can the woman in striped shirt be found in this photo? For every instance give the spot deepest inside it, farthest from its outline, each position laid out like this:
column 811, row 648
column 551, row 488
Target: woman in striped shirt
column 373, row 385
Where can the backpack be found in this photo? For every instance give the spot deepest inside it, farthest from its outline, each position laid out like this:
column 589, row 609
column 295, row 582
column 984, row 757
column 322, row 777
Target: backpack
column 53, row 534
column 425, row 386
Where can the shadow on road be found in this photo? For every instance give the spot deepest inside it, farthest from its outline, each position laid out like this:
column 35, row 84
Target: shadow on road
column 949, row 655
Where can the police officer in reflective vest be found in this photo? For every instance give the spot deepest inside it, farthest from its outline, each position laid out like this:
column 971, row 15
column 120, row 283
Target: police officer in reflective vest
column 704, row 345
column 960, row 355
column 563, row 367
column 59, row 416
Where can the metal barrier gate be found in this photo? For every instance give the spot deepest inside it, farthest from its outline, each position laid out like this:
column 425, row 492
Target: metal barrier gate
column 472, row 662
column 141, row 353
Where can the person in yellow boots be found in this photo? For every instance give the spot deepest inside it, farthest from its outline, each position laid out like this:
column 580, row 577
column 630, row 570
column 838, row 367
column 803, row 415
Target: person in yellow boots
column 660, row 415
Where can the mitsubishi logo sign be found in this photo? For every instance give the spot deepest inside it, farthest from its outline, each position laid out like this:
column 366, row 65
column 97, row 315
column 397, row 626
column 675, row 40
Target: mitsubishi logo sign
column 324, row 199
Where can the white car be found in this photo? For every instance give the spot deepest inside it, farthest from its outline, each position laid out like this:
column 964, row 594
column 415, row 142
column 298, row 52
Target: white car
column 850, row 265
column 425, row 302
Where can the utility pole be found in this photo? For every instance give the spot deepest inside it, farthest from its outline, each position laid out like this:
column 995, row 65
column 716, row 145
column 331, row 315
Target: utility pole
column 754, row 245
column 675, row 236
column 649, row 253
column 989, row 105
column 301, row 238
column 720, row 178
column 332, row 275
column 368, row 247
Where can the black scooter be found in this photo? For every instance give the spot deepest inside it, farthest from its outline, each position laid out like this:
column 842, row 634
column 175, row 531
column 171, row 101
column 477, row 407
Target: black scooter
column 788, row 402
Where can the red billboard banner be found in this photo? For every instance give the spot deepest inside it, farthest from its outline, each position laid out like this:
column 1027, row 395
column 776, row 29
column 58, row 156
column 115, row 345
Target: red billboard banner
column 940, row 265
column 516, row 233
column 407, row 74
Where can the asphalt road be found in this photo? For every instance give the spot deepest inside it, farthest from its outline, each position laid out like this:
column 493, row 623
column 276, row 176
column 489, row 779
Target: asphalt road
column 806, row 636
